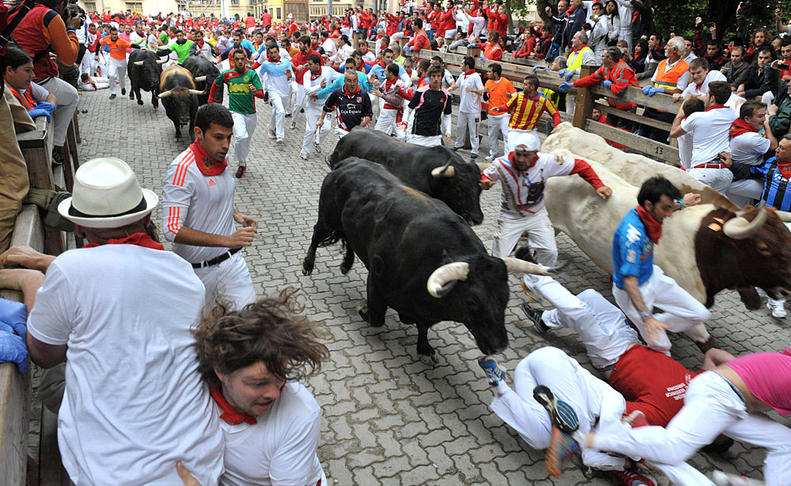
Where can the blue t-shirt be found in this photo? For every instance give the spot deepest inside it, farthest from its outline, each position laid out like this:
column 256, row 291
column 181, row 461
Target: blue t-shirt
column 776, row 191
column 632, row 250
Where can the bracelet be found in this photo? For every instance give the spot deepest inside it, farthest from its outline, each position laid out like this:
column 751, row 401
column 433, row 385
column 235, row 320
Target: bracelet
column 681, row 202
column 644, row 314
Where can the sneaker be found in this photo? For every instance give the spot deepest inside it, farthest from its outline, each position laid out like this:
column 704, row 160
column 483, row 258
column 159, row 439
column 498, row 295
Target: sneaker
column 58, row 157
column 473, row 156
column 777, row 306
column 489, row 158
column 293, row 125
column 561, row 450
column 303, row 156
column 240, row 171
column 288, row 115
column 534, row 316
column 317, row 147
column 628, row 478
column 279, row 140
column 112, row 96
column 563, row 415
column 456, row 149
column 493, row 372
column 123, row 91
column 271, row 133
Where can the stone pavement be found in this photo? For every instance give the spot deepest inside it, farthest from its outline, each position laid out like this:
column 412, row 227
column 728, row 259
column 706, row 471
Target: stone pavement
column 388, row 418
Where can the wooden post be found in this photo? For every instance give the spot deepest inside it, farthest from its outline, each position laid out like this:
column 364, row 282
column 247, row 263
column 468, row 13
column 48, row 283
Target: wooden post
column 584, row 103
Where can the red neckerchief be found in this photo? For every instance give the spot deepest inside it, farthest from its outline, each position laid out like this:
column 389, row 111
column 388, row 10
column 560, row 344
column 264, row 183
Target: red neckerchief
column 230, row 414
column 714, row 107
column 347, row 93
column 200, row 44
column 579, row 48
column 652, row 226
column 740, row 127
column 313, row 77
column 513, row 164
column 470, row 72
column 785, row 170
column 207, row 166
column 389, row 84
column 139, row 239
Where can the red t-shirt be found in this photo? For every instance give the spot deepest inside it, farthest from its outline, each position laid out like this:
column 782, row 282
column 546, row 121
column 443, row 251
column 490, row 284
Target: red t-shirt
column 651, row 382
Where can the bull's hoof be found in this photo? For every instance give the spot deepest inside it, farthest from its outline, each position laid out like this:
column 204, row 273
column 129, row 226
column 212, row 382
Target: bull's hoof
column 307, row 267
column 345, row 268
column 406, row 319
column 140, row 102
column 429, row 359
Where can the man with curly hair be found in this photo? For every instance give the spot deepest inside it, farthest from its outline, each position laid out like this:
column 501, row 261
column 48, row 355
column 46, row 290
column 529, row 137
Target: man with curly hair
column 253, row 360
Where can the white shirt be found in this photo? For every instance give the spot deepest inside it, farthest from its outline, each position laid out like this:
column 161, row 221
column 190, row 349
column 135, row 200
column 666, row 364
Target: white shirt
column 709, row 130
column 703, row 89
column 313, row 84
column 469, row 102
column 280, row 449
column 516, row 201
column 134, row 402
column 203, row 203
column 329, row 47
column 749, row 148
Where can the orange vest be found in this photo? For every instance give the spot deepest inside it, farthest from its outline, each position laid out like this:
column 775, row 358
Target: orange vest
column 669, row 79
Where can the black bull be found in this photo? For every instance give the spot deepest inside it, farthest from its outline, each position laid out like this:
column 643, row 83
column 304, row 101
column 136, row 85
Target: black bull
column 423, row 260
column 144, row 68
column 178, row 95
column 420, row 168
column 204, row 72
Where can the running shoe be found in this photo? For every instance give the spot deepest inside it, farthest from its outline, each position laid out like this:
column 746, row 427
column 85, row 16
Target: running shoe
column 317, row 147
column 240, row 171
column 534, row 316
column 563, row 415
column 561, row 450
column 303, row 156
column 279, row 140
column 293, row 125
column 629, row 478
column 270, row 132
column 493, row 372
column 777, row 306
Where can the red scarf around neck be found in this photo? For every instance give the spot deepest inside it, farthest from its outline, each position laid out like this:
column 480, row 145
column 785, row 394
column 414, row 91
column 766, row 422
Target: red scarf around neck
column 207, row 166
column 230, row 414
column 652, row 226
column 139, row 239
column 740, row 127
column 470, row 72
column 714, row 107
column 785, row 170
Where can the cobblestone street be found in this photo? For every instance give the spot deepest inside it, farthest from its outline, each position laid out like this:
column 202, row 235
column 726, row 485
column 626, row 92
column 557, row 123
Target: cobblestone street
column 389, row 418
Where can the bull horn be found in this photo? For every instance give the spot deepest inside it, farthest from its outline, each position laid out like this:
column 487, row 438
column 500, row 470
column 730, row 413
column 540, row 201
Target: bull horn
column 444, row 278
column 784, row 216
column 137, row 63
column 200, row 79
column 164, row 94
column 515, row 265
column 739, row 228
column 445, row 171
column 196, row 91
column 160, row 61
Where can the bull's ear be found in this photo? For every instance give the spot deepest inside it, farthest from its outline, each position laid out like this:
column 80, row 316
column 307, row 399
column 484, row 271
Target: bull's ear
column 377, row 266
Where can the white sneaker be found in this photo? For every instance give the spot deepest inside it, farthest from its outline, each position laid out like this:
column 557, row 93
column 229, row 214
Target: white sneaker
column 303, row 156
column 293, row 125
column 489, row 158
column 317, row 147
column 777, row 306
column 279, row 140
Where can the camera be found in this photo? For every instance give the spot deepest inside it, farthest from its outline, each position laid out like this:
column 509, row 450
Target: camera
column 73, row 10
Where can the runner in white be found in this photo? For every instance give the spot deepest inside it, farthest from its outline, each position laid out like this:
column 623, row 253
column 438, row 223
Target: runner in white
column 316, row 78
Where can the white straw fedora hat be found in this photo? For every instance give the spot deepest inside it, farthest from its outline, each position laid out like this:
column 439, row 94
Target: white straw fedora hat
column 107, row 195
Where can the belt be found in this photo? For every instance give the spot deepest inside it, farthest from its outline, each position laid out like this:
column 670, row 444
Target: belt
column 214, row 261
column 709, row 165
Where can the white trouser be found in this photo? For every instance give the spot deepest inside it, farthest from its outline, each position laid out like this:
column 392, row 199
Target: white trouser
column 243, row 128
column 312, row 115
column 424, row 141
column 278, row 113
column 682, row 313
column 386, row 121
column 67, row 98
column 717, row 179
column 299, row 99
column 103, row 63
column 468, row 122
column 602, row 327
column 498, row 124
column 540, row 236
column 88, row 63
column 744, row 192
column 117, row 71
column 685, row 150
column 229, row 280
column 711, row 407
column 511, row 133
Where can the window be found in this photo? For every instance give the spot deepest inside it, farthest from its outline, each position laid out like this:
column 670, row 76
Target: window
column 278, row 13
column 134, row 6
column 234, row 2
column 90, row 6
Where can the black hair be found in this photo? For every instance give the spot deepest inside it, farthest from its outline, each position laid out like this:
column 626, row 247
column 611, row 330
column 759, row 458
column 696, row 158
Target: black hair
column 720, row 90
column 14, row 58
column 654, row 188
column 213, row 113
column 693, row 105
column 392, row 68
column 314, row 58
column 532, row 80
column 496, row 69
column 469, row 61
column 305, row 39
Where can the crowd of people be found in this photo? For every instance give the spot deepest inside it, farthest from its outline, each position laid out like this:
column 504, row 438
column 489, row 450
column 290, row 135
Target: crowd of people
column 244, row 398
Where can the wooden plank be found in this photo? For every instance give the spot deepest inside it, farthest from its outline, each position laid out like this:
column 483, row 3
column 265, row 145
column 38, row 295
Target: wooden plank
column 631, row 94
column 642, row 120
column 15, row 389
column 584, row 102
column 651, row 148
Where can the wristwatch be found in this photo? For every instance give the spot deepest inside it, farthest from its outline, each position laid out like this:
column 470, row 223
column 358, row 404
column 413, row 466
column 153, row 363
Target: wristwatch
column 644, row 314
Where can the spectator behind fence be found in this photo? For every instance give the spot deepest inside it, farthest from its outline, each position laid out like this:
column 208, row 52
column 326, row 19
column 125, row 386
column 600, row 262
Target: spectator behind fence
column 756, row 84
column 41, row 32
column 751, row 140
column 671, row 76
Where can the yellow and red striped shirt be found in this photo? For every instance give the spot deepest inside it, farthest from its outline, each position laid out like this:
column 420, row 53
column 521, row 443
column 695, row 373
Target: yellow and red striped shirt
column 527, row 111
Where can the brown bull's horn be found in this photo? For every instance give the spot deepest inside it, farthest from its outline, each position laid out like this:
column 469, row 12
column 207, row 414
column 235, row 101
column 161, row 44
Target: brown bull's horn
column 164, row 94
column 195, row 91
column 160, row 61
column 444, row 171
column 444, row 278
column 515, row 265
column 138, row 63
column 784, row 216
column 200, row 79
column 739, row 228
